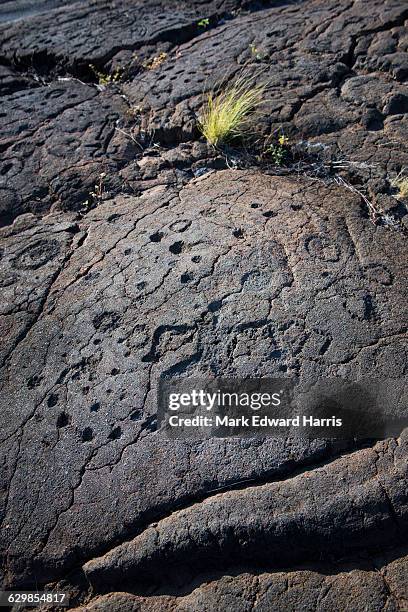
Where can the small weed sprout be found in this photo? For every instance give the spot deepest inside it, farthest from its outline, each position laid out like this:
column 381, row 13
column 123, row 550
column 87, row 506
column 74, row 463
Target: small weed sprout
column 203, row 23
column 155, row 61
column 278, row 151
column 226, row 115
column 401, row 184
column 96, row 196
column 257, row 54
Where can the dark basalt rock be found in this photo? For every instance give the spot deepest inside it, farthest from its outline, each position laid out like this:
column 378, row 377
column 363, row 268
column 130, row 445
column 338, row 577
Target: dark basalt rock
column 56, row 140
column 61, row 137
column 282, row 528
column 13, row 11
column 298, row 59
column 11, row 81
column 93, row 32
column 110, row 323
column 380, row 587
column 171, row 264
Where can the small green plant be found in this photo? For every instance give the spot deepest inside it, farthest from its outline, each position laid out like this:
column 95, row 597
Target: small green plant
column 105, row 79
column 278, row 151
column 401, row 184
column 203, row 23
column 226, row 115
column 257, row 54
column 96, row 196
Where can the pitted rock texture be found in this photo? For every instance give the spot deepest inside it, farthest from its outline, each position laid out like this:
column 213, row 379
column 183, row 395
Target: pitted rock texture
column 178, row 267
column 57, row 141
column 305, row 56
column 336, row 77
column 243, row 275
column 94, row 31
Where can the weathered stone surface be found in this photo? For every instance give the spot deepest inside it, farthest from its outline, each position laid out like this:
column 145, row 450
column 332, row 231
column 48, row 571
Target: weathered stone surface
column 281, row 528
column 91, row 31
column 28, row 273
column 377, row 587
column 56, row 141
column 165, row 283
column 326, row 88
column 12, row 11
column 183, row 268
column 11, row 81
column 298, row 57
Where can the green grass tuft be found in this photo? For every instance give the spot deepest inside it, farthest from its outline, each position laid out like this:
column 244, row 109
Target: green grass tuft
column 225, row 115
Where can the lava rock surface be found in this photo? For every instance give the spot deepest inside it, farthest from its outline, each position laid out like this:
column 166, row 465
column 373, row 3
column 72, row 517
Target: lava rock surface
column 131, row 250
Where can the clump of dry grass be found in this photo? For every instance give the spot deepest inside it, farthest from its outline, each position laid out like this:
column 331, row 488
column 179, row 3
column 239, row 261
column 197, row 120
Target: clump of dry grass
column 401, row 184
column 226, row 114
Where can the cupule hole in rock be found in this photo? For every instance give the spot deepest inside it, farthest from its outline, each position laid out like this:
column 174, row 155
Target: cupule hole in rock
column 52, row 400
column 63, row 420
column 186, row 277
column 87, row 434
column 176, row 248
column 115, row 433
column 156, row 237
